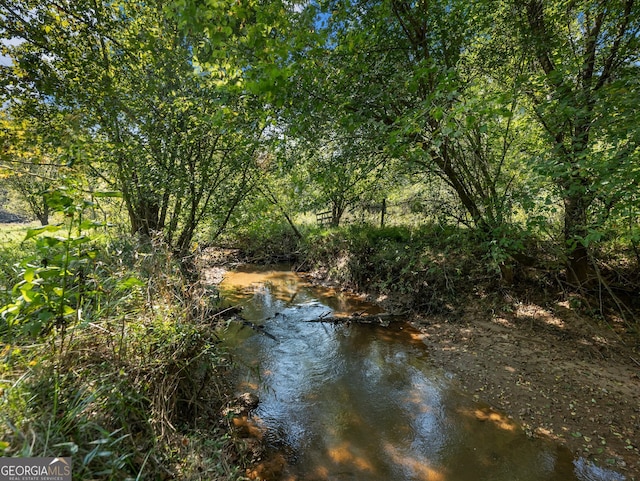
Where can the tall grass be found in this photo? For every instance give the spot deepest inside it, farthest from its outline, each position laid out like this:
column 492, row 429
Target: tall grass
column 133, row 387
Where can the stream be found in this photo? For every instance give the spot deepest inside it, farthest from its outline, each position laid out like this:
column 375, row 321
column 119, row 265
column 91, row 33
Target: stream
column 352, row 401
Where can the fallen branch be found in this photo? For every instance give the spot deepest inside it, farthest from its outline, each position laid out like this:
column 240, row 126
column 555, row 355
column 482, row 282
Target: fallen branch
column 228, row 312
column 258, row 328
column 359, row 318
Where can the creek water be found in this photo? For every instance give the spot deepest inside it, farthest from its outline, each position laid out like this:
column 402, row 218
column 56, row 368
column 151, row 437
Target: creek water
column 348, row 401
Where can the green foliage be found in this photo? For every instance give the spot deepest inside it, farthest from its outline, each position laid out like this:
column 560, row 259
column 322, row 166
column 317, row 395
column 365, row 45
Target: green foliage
column 423, row 268
column 582, row 55
column 58, row 279
column 265, row 239
column 509, row 116
column 118, row 365
column 111, row 397
column 502, row 125
column 12, row 250
column 505, row 242
column 38, row 151
column 176, row 143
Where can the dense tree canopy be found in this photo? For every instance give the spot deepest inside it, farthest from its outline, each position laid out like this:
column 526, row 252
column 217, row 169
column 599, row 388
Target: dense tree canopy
column 519, row 109
column 476, row 160
column 167, row 136
column 582, row 75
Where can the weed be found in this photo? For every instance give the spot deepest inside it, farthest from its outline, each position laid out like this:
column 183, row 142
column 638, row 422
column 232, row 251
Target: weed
column 101, row 360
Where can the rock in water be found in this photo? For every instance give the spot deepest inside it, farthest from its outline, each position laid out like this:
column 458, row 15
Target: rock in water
column 248, row 401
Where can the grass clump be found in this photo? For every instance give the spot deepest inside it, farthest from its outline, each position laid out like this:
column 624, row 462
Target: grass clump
column 103, row 359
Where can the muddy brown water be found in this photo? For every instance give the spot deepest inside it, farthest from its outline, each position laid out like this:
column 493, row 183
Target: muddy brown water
column 362, row 402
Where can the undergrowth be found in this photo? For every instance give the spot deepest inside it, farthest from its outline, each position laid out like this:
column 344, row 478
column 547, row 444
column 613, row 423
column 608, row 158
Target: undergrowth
column 105, row 359
column 433, row 268
column 423, row 268
column 266, row 242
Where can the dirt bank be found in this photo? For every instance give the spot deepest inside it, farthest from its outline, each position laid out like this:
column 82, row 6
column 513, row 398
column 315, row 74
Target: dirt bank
column 558, row 374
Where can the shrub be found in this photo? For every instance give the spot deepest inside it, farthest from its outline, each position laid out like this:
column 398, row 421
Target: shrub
column 101, row 359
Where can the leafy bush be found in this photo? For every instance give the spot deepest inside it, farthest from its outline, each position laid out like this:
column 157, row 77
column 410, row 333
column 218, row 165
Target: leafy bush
column 265, row 242
column 119, row 375
column 12, row 250
column 421, row 266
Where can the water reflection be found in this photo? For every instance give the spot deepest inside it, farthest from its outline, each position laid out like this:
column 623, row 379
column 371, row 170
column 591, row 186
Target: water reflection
column 359, row 402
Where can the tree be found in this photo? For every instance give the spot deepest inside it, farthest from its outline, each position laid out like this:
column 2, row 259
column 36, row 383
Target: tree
column 177, row 142
column 582, row 87
column 342, row 173
column 35, row 156
column 402, row 78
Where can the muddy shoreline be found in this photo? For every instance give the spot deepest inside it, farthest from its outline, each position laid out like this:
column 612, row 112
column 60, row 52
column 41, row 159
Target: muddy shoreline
column 582, row 392
column 559, row 374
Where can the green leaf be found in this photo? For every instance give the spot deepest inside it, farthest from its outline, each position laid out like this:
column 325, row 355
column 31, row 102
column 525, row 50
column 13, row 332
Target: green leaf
column 91, row 224
column 67, row 310
column 112, row 193
column 129, row 283
column 79, row 240
column 29, row 274
column 52, row 241
column 73, row 447
column 45, row 316
column 27, row 294
column 32, row 328
column 58, row 201
column 36, row 231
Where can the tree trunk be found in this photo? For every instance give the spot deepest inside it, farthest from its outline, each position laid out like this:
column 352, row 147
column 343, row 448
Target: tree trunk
column 274, row 200
column 144, row 218
column 43, row 215
column 464, row 195
column 337, row 211
column 575, row 231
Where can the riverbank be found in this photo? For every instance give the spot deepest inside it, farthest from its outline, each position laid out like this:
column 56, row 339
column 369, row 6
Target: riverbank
column 556, row 374
column 131, row 384
column 559, row 374
column 564, row 365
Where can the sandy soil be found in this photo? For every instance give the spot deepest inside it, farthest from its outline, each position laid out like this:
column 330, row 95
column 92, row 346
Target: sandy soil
column 558, row 374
